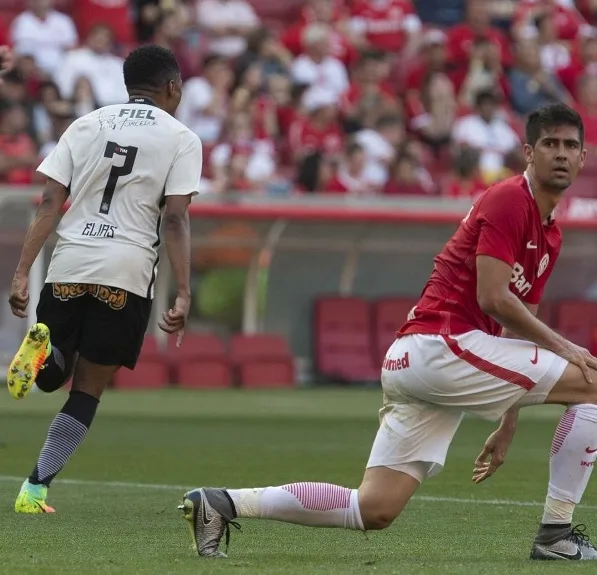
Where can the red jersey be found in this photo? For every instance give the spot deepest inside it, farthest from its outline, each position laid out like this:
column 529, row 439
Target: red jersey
column 114, row 13
column 304, row 137
column 461, row 38
column 386, row 23
column 566, row 21
column 504, row 223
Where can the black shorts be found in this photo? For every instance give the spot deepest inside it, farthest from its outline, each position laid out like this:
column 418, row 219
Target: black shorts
column 104, row 325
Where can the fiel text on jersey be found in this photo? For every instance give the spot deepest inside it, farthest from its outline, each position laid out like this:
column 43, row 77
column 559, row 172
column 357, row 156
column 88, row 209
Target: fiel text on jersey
column 127, row 118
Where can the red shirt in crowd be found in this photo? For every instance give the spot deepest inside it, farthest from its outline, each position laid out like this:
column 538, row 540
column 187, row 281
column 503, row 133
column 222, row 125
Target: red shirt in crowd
column 17, row 146
column 566, row 20
column 114, row 13
column 462, row 36
column 304, row 137
column 385, row 22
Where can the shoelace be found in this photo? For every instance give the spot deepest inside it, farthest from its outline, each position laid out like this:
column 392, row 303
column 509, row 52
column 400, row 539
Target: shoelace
column 236, row 526
column 579, row 536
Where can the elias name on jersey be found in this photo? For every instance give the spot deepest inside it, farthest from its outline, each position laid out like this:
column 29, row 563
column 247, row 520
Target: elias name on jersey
column 95, row 230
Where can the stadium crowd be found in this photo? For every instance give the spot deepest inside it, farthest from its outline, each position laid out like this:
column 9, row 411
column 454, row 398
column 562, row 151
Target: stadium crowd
column 359, row 97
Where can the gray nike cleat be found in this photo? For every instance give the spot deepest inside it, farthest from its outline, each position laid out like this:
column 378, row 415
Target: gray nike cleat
column 563, row 544
column 210, row 512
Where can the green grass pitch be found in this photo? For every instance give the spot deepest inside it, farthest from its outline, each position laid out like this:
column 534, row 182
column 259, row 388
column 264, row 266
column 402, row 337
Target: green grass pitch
column 116, row 501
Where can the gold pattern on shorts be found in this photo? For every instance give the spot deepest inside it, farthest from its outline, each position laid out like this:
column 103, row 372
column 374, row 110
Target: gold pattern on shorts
column 114, row 297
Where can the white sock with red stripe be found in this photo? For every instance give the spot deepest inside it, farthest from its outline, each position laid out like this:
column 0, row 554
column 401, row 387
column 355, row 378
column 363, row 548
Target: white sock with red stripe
column 313, row 504
column 573, row 454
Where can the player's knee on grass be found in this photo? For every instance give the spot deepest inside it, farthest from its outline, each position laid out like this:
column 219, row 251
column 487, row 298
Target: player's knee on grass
column 92, row 378
column 572, row 388
column 384, row 493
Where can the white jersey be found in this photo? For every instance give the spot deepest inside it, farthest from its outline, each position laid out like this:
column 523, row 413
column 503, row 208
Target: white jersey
column 121, row 162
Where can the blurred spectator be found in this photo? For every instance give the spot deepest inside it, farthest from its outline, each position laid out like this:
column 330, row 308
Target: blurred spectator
column 319, row 130
column 44, row 34
column 115, row 14
column 258, row 161
column 404, row 179
column 351, row 177
column 588, row 9
column 389, row 25
column 324, row 12
column 48, row 94
column 487, row 132
column 205, row 99
column 228, row 23
column 61, row 116
column 554, row 54
column 95, row 62
column 18, row 153
column 264, row 48
column 369, row 96
column 434, row 120
column 316, row 66
column 444, row 13
column 477, row 25
column 485, row 72
column 380, row 145
column 432, row 58
column 565, row 18
column 531, row 85
column 587, row 107
column 584, row 60
column 465, row 179
column 315, row 172
column 4, row 35
column 83, row 100
column 169, row 32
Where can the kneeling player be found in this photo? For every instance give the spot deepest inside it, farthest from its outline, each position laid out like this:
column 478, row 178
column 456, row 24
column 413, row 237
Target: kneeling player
column 449, row 360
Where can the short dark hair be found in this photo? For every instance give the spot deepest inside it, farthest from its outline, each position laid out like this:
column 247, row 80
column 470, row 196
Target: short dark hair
column 486, row 95
column 150, row 67
column 552, row 116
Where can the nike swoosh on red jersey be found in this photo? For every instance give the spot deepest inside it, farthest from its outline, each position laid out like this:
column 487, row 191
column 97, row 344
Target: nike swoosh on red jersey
column 589, row 450
column 536, row 358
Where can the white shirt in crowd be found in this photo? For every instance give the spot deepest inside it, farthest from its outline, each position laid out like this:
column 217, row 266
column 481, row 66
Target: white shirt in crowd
column 213, row 14
column 104, row 72
column 196, row 97
column 494, row 139
column 329, row 74
column 45, row 40
column 121, row 162
column 379, row 153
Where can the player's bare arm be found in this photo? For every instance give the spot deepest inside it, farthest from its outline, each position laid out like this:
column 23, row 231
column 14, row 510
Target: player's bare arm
column 177, row 234
column 53, row 198
column 509, row 334
column 496, row 299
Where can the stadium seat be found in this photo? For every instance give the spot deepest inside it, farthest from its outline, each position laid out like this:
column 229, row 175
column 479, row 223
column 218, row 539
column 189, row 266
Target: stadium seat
column 200, row 362
column 388, row 315
column 148, row 374
column 576, row 320
column 262, row 360
column 546, row 312
column 151, row 348
column 344, row 348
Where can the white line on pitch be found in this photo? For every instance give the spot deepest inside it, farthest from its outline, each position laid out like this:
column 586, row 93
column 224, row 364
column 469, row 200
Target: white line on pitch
column 167, row 487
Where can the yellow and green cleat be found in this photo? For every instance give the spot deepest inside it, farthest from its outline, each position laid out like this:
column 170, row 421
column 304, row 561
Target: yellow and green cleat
column 32, row 499
column 28, row 361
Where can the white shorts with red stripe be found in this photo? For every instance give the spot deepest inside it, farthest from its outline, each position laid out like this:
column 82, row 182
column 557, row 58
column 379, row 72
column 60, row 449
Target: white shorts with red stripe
column 430, row 381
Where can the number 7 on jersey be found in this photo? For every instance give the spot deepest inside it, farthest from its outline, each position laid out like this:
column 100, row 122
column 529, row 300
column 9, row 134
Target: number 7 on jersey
column 129, row 153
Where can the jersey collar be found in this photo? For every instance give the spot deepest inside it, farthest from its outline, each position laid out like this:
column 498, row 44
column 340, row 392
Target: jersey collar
column 552, row 217
column 147, row 101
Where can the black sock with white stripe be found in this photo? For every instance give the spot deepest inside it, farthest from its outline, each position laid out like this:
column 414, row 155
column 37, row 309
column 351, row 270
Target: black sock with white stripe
column 66, row 432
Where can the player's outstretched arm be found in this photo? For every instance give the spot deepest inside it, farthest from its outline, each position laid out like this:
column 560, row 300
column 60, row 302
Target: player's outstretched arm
column 496, row 299
column 177, row 235
column 53, row 198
